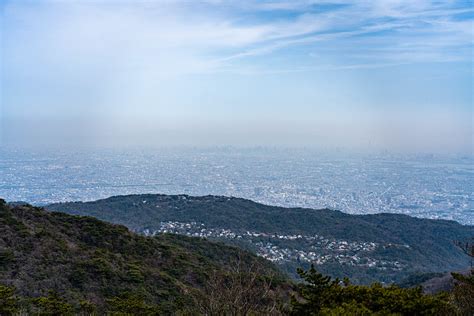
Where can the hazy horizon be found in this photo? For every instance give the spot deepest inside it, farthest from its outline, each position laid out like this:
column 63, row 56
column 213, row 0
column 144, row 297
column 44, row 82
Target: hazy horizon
column 394, row 75
column 427, row 186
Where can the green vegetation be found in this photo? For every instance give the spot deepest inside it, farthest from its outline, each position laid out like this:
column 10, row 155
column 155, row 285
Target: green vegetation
column 420, row 245
column 320, row 295
column 8, row 301
column 463, row 293
column 58, row 264
column 53, row 304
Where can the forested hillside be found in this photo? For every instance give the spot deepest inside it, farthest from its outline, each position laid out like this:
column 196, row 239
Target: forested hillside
column 55, row 261
column 57, row 264
column 366, row 248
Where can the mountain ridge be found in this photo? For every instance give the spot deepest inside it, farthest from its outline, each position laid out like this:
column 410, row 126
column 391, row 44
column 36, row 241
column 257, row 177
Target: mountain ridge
column 372, row 247
column 84, row 259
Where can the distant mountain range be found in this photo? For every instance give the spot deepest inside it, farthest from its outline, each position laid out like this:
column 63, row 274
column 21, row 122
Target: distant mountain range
column 366, row 248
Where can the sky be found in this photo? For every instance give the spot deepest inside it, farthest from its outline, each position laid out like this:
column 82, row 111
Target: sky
column 392, row 74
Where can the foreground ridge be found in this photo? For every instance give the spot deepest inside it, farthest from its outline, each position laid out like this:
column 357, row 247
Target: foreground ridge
column 96, row 264
column 58, row 264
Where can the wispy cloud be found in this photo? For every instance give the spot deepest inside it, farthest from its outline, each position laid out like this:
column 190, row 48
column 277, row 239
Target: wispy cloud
column 193, row 63
column 204, row 36
column 415, row 31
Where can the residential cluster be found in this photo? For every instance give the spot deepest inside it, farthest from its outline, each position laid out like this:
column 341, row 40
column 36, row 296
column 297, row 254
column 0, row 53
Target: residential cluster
column 281, row 255
column 314, row 249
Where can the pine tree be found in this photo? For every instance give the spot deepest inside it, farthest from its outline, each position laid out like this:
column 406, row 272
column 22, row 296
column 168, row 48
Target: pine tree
column 315, row 293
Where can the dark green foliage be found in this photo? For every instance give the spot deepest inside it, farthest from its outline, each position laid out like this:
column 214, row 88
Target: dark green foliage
column 95, row 265
column 8, row 301
column 87, row 308
column 463, row 293
column 6, row 257
column 131, row 305
column 135, row 274
column 52, row 305
column 319, row 295
column 430, row 247
column 100, row 268
column 345, row 309
column 317, row 291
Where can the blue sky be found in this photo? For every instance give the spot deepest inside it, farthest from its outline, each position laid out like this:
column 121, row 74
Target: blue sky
column 392, row 74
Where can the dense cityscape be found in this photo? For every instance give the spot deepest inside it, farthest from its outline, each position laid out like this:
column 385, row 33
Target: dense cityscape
column 425, row 186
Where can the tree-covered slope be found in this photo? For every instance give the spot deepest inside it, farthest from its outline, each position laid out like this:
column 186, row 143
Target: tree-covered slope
column 88, row 262
column 384, row 247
